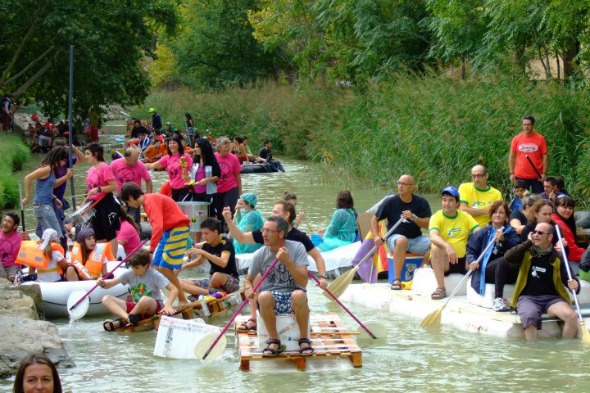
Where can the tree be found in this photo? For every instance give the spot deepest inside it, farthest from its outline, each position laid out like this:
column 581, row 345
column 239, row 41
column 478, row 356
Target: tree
column 110, row 38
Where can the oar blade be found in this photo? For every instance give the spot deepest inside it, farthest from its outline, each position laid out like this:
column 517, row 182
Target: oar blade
column 378, row 329
column 585, row 333
column 339, row 285
column 432, row 319
column 80, row 310
column 205, row 343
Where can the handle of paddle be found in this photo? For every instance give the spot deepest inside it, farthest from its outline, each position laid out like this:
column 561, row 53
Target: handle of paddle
column 239, row 310
column 567, row 268
column 342, row 305
column 534, row 167
column 109, row 273
column 393, row 228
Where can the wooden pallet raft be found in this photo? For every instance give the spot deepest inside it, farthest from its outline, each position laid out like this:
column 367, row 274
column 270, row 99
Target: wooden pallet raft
column 329, row 337
column 204, row 309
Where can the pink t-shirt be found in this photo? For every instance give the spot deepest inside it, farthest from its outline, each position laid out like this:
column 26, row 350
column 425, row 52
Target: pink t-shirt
column 535, row 148
column 9, row 246
column 99, row 177
column 175, row 171
column 200, row 188
column 129, row 235
column 125, row 173
column 230, row 168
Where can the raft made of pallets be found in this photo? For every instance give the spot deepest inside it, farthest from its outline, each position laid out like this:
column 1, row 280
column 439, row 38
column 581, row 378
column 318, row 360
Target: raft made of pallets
column 204, row 308
column 329, row 337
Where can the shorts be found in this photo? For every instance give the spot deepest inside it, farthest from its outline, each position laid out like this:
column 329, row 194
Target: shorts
column 458, row 267
column 106, row 220
column 231, row 285
column 131, row 305
column 418, row 245
column 170, row 250
column 282, row 302
column 8, row 272
column 531, row 308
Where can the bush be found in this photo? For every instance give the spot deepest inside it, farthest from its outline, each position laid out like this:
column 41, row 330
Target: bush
column 14, row 153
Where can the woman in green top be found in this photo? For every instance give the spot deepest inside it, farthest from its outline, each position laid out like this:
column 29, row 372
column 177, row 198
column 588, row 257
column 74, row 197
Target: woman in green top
column 342, row 228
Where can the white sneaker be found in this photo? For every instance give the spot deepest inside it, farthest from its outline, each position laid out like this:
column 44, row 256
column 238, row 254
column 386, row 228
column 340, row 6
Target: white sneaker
column 499, row 305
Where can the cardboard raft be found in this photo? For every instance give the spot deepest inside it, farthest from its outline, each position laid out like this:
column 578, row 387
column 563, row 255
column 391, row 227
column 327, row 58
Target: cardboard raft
column 329, row 337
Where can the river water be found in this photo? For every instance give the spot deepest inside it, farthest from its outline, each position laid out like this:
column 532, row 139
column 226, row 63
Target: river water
column 409, row 359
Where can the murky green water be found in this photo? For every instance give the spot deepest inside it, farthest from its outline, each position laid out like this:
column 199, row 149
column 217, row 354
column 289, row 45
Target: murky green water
column 409, row 360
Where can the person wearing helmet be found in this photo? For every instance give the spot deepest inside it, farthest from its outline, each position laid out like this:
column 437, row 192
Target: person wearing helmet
column 156, row 120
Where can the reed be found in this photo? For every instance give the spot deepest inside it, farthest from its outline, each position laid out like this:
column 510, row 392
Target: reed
column 433, row 127
column 14, row 153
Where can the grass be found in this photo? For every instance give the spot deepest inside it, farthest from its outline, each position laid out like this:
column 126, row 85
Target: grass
column 14, row 152
column 432, row 127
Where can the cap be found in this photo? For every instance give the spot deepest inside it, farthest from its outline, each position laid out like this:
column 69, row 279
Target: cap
column 84, row 233
column 451, row 190
column 152, row 110
column 48, row 235
column 250, row 198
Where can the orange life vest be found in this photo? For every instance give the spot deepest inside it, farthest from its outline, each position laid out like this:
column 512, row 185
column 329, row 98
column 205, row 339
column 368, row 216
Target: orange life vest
column 31, row 255
column 92, row 267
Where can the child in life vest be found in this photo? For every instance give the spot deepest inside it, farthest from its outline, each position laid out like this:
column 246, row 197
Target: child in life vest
column 88, row 259
column 54, row 252
column 145, row 285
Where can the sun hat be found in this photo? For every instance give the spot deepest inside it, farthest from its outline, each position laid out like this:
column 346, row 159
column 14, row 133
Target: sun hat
column 84, row 233
column 250, row 198
column 48, row 235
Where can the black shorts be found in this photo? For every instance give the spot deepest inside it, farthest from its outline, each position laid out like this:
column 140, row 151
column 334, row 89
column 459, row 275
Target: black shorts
column 106, row 221
column 458, row 267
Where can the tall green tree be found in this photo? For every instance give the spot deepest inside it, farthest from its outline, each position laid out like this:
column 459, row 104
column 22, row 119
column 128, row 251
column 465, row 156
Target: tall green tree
column 110, row 38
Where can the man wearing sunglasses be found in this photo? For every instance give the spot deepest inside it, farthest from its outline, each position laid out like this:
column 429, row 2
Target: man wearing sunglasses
column 542, row 283
column 477, row 195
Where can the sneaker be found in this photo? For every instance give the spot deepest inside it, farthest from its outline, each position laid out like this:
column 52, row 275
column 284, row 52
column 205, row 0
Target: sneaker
column 500, row 305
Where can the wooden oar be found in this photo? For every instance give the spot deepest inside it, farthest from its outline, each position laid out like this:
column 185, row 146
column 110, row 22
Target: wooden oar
column 239, row 310
column 344, row 307
column 434, row 317
column 585, row 333
column 76, row 297
column 339, row 285
column 22, row 209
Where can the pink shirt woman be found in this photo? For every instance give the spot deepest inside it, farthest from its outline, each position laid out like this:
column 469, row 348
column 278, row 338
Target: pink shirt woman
column 178, row 164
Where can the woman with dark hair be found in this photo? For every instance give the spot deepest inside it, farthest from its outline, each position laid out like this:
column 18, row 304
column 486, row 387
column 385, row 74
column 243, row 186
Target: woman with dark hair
column 101, row 185
column 88, row 260
column 342, row 228
column 206, row 174
column 128, row 235
column 229, row 186
column 44, row 198
column 178, row 164
column 518, row 218
column 564, row 218
column 191, row 132
column 493, row 268
column 37, row 373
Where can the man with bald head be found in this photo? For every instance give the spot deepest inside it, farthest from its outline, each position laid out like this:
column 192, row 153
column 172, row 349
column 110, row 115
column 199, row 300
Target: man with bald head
column 131, row 169
column 408, row 235
column 477, row 196
column 542, row 284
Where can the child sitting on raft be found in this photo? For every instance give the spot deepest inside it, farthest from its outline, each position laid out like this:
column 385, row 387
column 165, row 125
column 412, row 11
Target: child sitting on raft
column 219, row 251
column 54, row 252
column 145, row 285
column 88, row 258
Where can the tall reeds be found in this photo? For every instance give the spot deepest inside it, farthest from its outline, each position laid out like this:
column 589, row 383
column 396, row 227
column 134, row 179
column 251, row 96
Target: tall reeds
column 14, row 153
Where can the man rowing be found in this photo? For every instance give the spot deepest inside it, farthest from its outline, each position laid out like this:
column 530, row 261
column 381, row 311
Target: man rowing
column 408, row 236
column 283, row 290
column 477, row 196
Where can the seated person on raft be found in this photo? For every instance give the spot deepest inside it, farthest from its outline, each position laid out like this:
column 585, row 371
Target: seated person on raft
column 54, row 253
column 493, row 268
column 542, row 283
column 88, row 259
column 518, row 218
column 219, row 251
column 283, row 290
column 146, row 285
column 449, row 229
column 342, row 227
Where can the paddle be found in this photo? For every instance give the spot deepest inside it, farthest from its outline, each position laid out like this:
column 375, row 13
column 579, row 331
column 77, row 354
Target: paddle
column 77, row 297
column 339, row 285
column 534, row 167
column 22, row 209
column 239, row 310
column 585, row 333
column 434, row 317
column 381, row 330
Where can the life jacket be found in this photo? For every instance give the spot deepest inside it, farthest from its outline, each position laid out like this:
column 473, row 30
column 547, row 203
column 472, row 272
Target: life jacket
column 92, row 267
column 53, row 272
column 31, row 255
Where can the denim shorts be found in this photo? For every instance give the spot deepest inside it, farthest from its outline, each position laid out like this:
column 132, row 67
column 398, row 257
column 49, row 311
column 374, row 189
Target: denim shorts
column 418, row 245
column 46, row 218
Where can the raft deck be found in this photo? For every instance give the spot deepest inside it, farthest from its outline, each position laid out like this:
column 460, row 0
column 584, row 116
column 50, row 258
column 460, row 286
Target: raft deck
column 204, row 309
column 329, row 337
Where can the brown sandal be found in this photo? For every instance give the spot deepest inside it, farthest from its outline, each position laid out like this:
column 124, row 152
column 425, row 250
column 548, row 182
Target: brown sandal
column 249, row 325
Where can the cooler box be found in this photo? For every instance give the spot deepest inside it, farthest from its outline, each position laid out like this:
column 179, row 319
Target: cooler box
column 412, row 263
column 177, row 337
column 287, row 328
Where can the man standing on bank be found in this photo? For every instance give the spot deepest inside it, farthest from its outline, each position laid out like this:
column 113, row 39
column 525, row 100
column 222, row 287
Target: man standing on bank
column 528, row 157
column 408, row 236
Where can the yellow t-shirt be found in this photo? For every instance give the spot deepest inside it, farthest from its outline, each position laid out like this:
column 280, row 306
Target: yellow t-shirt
column 475, row 198
column 454, row 230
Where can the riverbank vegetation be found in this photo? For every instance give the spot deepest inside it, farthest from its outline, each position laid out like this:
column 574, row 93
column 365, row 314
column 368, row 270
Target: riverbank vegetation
column 14, row 152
